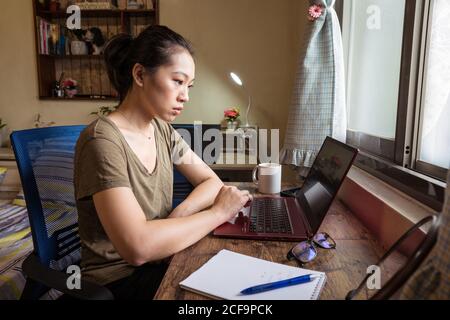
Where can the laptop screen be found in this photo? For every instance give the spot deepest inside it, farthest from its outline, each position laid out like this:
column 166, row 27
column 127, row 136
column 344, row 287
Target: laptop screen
column 324, row 180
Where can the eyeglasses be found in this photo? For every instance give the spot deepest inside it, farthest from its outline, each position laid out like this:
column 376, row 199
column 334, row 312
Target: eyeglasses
column 306, row 251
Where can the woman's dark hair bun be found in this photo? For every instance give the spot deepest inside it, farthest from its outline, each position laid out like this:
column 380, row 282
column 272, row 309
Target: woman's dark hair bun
column 117, row 59
column 152, row 48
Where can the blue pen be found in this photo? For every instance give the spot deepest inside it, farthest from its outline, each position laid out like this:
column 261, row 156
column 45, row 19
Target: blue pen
column 280, row 284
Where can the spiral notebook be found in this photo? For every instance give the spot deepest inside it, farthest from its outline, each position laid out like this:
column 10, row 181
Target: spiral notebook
column 228, row 272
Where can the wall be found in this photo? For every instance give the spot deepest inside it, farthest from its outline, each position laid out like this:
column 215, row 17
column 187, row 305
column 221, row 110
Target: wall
column 19, row 101
column 258, row 39
column 385, row 211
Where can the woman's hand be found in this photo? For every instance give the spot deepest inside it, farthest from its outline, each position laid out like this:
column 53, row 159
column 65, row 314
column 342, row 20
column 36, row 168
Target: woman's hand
column 229, row 201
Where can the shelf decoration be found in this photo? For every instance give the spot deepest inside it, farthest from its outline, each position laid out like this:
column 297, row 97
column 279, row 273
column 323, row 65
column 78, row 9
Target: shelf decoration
column 78, row 53
column 70, row 87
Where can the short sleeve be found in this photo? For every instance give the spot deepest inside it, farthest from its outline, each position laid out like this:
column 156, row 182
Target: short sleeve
column 101, row 165
column 177, row 145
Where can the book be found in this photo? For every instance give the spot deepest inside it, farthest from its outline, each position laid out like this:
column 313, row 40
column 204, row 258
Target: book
column 226, row 274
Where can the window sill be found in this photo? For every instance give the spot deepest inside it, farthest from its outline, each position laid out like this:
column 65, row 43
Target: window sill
column 422, row 188
column 386, row 211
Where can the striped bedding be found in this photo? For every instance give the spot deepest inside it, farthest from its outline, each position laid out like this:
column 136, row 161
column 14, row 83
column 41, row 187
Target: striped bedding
column 15, row 245
column 52, row 163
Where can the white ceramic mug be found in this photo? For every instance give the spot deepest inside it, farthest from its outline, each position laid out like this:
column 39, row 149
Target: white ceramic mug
column 267, row 176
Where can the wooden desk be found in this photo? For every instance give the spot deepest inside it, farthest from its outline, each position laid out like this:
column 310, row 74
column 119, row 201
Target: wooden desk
column 345, row 266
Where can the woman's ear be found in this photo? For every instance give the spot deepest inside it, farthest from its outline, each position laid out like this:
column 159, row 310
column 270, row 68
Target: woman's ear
column 138, row 74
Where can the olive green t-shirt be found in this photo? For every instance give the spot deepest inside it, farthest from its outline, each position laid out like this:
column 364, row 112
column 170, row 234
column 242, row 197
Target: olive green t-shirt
column 104, row 160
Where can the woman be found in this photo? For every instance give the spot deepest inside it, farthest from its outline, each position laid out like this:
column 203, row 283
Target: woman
column 123, row 170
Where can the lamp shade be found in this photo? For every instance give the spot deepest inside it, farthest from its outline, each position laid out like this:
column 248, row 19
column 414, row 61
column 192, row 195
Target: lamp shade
column 238, row 81
column 236, row 78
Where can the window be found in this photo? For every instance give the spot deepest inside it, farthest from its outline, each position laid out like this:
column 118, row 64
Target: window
column 397, row 56
column 433, row 142
column 397, row 68
column 374, row 53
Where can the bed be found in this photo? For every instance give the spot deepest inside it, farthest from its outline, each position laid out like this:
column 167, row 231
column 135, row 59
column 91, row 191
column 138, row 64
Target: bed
column 15, row 244
column 15, row 235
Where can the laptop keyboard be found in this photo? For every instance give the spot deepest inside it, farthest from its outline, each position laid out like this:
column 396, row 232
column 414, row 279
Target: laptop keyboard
column 269, row 216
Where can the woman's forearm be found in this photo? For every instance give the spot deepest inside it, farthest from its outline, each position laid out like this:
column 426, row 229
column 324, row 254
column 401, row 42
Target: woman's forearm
column 200, row 198
column 139, row 240
column 164, row 237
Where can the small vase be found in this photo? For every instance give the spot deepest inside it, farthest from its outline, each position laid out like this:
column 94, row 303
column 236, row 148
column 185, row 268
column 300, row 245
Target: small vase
column 232, row 125
column 71, row 92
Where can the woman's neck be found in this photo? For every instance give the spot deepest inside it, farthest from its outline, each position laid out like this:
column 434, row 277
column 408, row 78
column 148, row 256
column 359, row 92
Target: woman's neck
column 131, row 109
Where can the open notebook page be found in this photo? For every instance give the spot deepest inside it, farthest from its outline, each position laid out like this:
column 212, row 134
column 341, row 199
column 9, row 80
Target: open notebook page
column 227, row 273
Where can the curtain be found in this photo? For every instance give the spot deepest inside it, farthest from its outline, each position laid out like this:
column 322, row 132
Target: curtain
column 318, row 104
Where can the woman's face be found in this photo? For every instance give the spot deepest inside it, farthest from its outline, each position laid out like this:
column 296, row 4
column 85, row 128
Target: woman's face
column 165, row 91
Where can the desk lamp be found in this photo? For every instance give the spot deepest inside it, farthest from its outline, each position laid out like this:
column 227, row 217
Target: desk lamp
column 238, row 81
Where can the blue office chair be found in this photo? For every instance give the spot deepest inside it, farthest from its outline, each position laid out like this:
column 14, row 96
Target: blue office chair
column 194, row 135
column 45, row 161
column 181, row 188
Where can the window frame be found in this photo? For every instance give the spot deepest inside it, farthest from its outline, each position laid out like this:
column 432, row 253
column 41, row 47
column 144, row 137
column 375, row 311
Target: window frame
column 395, row 160
column 416, row 164
column 392, row 149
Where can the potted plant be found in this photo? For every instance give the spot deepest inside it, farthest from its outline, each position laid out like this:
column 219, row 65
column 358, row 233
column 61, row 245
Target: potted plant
column 104, row 110
column 231, row 116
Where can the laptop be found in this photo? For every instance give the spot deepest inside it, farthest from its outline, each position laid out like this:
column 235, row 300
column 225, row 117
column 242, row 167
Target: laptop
column 298, row 217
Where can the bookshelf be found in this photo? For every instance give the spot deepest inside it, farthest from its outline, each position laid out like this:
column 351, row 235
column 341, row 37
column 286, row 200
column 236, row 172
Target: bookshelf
column 58, row 59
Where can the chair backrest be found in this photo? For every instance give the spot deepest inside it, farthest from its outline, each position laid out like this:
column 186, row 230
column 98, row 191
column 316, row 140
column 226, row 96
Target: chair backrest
column 44, row 158
column 193, row 135
column 45, row 161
